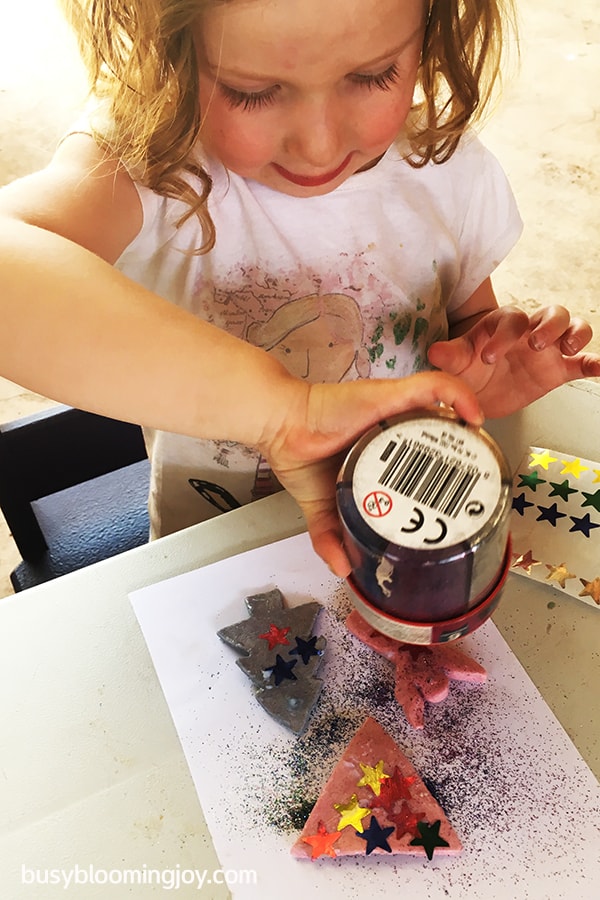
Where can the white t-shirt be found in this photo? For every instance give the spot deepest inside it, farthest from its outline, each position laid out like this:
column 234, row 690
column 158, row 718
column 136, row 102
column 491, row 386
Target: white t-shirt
column 353, row 284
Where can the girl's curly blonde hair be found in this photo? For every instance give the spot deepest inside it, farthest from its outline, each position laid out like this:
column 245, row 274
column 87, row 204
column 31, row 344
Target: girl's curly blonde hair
column 141, row 63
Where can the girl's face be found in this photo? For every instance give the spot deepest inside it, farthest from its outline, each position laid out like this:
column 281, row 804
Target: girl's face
column 301, row 94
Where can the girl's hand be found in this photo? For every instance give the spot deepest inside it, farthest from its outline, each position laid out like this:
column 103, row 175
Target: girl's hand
column 510, row 359
column 322, row 421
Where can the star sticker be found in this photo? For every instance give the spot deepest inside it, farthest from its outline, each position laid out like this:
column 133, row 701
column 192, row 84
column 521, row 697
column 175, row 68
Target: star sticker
column 395, row 788
column 573, row 468
column 584, row 524
column 306, row 649
column 376, row 836
column 525, row 561
column 530, row 480
column 597, row 474
column 550, row 514
column 275, row 636
column 351, row 814
column 282, row 670
column 406, row 821
column 592, row 500
column 542, row 459
column 322, row 842
column 561, row 490
column 591, row 589
column 559, row 573
column 520, row 504
column 373, row 776
column 430, row 838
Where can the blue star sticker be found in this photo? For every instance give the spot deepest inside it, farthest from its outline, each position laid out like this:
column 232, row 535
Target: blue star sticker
column 376, row 836
column 282, row 670
column 306, row 649
column 550, row 514
column 520, row 504
column 584, row 524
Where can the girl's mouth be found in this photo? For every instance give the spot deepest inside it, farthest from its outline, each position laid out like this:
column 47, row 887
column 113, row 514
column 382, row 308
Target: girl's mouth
column 312, row 180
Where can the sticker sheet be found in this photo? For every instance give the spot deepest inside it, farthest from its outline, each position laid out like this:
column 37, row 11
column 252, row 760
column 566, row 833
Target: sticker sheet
column 555, row 523
column 521, row 800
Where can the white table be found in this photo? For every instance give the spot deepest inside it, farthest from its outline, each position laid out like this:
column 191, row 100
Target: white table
column 91, row 770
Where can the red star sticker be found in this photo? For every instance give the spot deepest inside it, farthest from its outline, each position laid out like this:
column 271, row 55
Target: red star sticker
column 394, row 788
column 406, row 821
column 275, row 636
column 322, row 842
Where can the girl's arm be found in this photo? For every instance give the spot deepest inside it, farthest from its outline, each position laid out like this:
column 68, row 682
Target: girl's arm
column 77, row 330
column 509, row 358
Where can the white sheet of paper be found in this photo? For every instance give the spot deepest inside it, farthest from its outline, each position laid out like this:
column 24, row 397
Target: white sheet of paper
column 514, row 787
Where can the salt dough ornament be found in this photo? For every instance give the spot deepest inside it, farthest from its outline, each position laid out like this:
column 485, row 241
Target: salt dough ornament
column 280, row 656
column 404, row 819
column 422, row 672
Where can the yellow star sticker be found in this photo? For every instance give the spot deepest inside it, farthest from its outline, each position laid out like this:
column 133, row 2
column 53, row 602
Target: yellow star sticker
column 373, row 776
column 541, row 459
column 573, row 468
column 591, row 589
column 597, row 474
column 351, row 814
column 559, row 573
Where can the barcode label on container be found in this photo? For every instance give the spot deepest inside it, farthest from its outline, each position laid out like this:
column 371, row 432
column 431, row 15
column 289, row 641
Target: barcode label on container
column 419, row 472
column 427, row 483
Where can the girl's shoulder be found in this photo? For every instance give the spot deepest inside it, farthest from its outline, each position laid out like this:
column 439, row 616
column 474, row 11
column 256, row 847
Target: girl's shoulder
column 82, row 195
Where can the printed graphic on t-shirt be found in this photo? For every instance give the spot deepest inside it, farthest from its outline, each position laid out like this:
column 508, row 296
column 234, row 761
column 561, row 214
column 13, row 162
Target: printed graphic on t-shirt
column 353, row 323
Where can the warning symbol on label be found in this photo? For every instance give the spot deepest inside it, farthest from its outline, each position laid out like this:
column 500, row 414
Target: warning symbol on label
column 377, row 504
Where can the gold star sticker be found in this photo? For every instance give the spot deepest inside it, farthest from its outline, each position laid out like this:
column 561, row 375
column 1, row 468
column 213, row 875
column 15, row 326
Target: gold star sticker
column 351, row 814
column 597, row 474
column 525, row 561
column 573, row 468
column 591, row 589
column 541, row 459
column 373, row 776
column 559, row 573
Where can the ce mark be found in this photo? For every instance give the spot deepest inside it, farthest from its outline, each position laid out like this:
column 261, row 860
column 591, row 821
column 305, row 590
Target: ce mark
column 418, row 521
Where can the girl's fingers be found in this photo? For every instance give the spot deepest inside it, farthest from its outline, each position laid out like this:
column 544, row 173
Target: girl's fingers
column 554, row 325
column 504, row 327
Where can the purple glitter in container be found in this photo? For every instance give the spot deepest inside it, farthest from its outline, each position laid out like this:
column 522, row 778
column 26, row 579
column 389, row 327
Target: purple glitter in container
column 424, row 500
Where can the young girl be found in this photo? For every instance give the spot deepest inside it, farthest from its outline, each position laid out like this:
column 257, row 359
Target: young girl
column 297, row 180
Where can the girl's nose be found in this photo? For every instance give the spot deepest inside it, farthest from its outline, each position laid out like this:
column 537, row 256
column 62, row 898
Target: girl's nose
column 316, row 135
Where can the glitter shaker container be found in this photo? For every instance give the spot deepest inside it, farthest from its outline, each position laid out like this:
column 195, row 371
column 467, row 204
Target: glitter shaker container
column 424, row 500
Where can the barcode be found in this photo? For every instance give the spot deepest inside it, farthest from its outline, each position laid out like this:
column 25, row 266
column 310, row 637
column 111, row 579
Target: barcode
column 424, row 474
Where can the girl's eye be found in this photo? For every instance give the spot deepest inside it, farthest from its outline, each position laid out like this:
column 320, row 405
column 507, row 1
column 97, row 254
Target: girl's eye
column 383, row 80
column 249, row 100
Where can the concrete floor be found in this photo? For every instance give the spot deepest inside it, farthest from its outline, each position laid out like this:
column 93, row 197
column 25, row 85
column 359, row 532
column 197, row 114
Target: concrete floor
column 545, row 132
